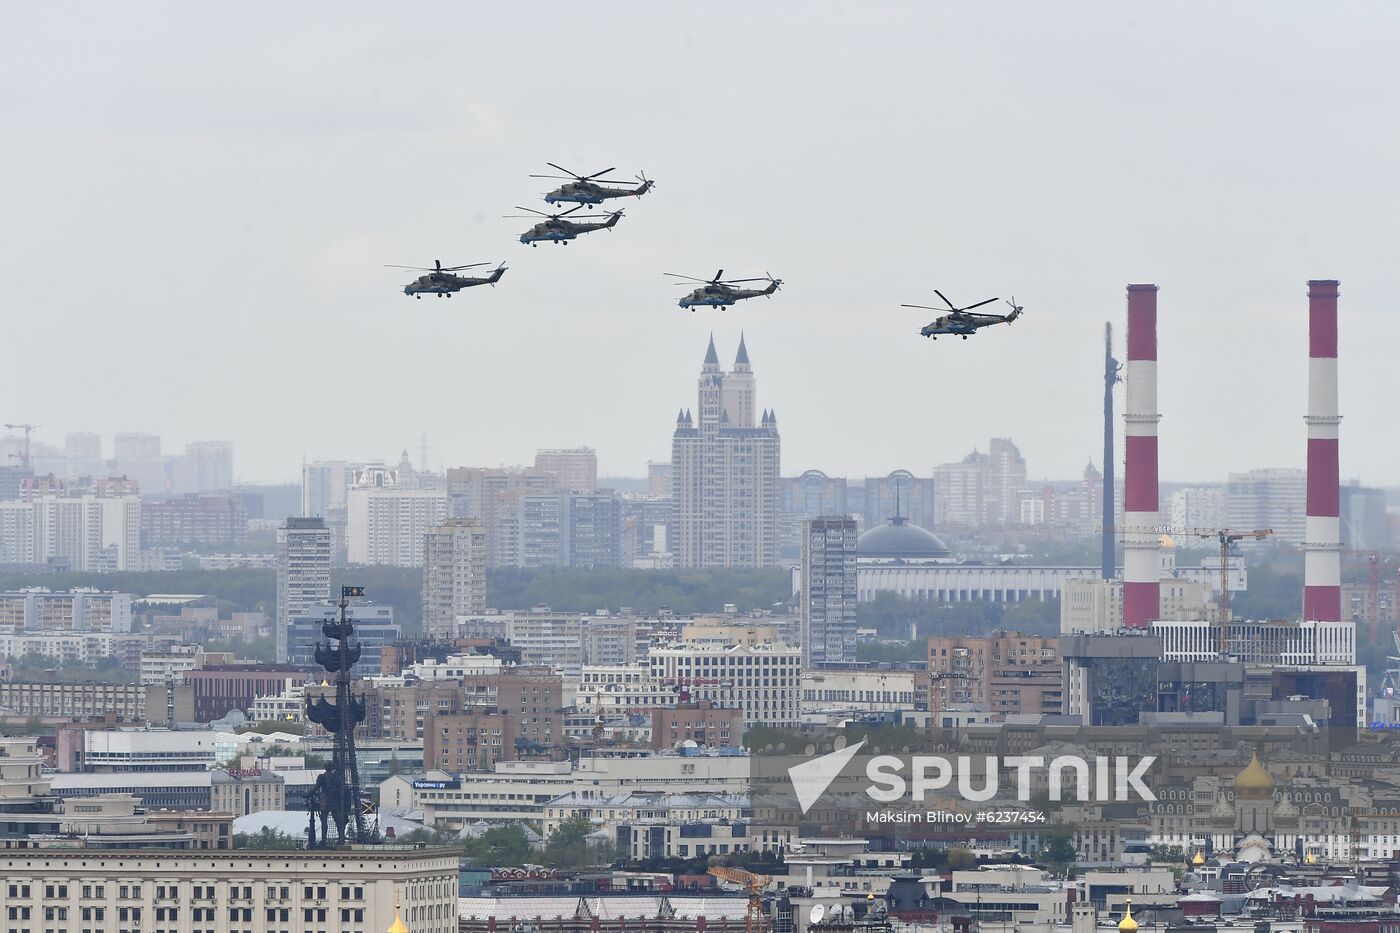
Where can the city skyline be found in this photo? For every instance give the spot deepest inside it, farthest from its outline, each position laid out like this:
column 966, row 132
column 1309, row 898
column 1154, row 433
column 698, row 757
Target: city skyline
column 274, row 181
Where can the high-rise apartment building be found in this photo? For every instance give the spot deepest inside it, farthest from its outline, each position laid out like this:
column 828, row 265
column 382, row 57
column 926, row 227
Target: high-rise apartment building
column 324, row 484
column 575, row 470
column 1269, row 498
column 493, row 495
column 136, row 447
column 828, row 598
column 590, row 529
column 205, row 466
column 1009, row 673
column 454, row 574
column 137, row 457
column 86, row 531
column 385, row 522
column 303, row 573
column 724, row 473
column 1200, row 507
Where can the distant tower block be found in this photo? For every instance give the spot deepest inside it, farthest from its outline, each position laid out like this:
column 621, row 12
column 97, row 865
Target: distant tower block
column 1141, row 568
column 1322, row 567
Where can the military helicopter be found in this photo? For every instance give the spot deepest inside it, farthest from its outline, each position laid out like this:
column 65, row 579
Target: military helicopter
column 961, row 321
column 720, row 292
column 558, row 230
column 441, row 281
column 589, row 189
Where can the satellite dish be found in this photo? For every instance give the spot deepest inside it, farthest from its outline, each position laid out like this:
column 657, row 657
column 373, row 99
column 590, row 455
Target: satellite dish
column 818, row 913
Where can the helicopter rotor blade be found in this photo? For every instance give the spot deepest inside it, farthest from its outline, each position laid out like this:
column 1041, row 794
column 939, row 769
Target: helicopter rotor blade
column 737, row 281
column 531, row 210
column 437, row 263
column 470, row 265
column 564, row 177
column 979, row 304
column 922, row 307
column 692, row 278
column 564, row 170
column 418, row 268
column 945, row 299
column 596, row 174
column 569, row 211
column 718, row 276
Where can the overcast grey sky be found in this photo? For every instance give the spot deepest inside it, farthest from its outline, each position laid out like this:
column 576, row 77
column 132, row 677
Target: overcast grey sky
column 197, row 201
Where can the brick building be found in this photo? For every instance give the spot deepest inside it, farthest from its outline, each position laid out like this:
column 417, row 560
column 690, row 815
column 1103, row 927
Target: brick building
column 473, row 740
column 1006, row 672
column 219, row 521
column 702, row 723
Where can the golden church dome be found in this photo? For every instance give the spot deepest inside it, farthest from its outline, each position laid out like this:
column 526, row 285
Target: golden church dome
column 1254, row 781
column 1198, row 859
column 1128, row 924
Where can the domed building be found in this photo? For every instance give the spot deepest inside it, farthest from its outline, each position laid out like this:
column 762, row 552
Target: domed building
column 897, row 540
column 1259, row 824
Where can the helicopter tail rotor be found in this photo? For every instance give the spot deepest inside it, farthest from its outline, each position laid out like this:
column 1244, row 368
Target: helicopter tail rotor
column 1016, row 310
column 647, row 184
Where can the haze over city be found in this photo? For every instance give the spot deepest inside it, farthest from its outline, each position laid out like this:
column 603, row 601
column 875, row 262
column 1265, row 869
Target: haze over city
column 405, row 527
column 200, row 206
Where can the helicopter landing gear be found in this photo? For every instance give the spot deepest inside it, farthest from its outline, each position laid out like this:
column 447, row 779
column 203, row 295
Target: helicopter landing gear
column 964, row 336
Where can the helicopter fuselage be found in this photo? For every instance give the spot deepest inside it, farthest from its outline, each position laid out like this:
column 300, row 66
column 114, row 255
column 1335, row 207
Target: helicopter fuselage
column 722, row 296
column 445, row 283
column 576, row 192
column 560, row 230
column 965, row 325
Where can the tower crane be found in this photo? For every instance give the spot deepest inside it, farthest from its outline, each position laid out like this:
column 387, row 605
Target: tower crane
column 755, row 919
column 1227, row 537
column 27, row 428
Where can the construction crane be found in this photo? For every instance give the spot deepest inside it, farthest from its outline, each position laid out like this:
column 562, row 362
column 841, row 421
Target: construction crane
column 755, row 919
column 1227, row 538
column 27, row 428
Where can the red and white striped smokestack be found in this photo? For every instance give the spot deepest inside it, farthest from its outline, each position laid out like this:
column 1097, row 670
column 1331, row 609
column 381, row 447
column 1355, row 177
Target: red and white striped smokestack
column 1141, row 567
column 1322, row 545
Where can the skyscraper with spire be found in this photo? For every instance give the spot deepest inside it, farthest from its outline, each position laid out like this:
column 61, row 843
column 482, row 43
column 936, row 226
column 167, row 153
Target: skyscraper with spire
column 724, row 472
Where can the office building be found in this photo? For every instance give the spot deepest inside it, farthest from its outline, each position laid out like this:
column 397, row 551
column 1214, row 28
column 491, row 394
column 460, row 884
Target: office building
column 764, row 679
column 454, row 575
column 352, row 891
column 303, row 572
column 386, row 522
column 374, row 630
column 725, row 473
column 827, row 599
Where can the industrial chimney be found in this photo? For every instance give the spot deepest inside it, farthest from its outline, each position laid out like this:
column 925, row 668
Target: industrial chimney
column 1141, row 539
column 1322, row 567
